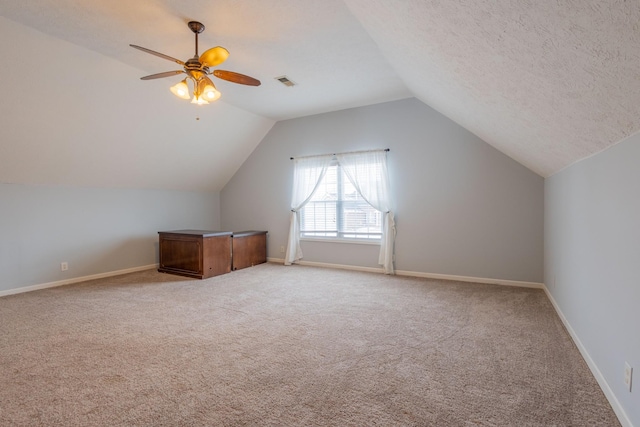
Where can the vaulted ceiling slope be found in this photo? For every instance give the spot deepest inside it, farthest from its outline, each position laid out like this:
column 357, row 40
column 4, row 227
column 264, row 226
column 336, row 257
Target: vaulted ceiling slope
column 547, row 83
column 72, row 117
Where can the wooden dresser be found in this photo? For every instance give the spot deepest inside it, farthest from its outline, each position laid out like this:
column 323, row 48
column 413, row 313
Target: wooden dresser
column 195, row 253
column 249, row 248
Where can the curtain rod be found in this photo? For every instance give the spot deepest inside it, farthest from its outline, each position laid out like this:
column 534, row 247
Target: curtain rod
column 333, row 154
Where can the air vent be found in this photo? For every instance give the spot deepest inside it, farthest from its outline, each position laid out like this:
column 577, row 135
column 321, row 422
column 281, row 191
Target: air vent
column 285, row 81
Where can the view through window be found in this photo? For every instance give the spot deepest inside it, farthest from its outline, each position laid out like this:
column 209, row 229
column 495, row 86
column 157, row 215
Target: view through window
column 338, row 211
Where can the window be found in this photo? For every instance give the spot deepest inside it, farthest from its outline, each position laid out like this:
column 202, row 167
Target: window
column 338, row 211
column 328, row 202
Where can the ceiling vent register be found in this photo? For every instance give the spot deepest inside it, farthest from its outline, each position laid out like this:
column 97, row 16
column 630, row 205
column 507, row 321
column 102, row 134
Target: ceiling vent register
column 285, row 81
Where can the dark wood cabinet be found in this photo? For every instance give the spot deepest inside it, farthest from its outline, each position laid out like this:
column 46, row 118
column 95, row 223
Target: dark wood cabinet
column 249, row 248
column 195, row 253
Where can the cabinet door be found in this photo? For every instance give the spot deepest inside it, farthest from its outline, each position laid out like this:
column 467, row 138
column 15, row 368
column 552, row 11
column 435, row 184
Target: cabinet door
column 217, row 256
column 181, row 254
column 249, row 251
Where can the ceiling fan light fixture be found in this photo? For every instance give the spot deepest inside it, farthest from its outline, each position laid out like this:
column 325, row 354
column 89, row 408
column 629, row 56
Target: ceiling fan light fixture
column 211, row 93
column 208, row 89
column 197, row 68
column 199, row 100
column 181, row 90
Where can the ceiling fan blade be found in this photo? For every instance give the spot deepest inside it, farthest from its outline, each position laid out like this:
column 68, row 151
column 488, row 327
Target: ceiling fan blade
column 161, row 75
column 161, row 55
column 236, row 78
column 214, row 56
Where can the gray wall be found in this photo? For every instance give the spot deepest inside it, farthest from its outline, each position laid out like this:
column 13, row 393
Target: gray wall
column 95, row 230
column 462, row 207
column 592, row 260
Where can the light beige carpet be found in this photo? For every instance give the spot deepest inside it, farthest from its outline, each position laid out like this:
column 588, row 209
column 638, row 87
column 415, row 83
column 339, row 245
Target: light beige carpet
column 290, row 346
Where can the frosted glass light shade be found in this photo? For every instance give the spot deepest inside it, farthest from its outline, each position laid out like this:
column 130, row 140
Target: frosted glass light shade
column 208, row 89
column 181, row 90
column 211, row 93
column 199, row 100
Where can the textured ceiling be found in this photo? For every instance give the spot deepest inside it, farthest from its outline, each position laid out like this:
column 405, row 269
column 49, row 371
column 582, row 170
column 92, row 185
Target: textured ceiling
column 319, row 45
column 547, row 83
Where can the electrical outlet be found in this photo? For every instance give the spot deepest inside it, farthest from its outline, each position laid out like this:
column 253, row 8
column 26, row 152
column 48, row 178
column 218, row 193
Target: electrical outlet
column 281, row 249
column 64, row 266
column 628, row 373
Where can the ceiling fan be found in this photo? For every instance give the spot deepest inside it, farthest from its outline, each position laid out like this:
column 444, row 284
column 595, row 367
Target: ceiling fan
column 198, row 69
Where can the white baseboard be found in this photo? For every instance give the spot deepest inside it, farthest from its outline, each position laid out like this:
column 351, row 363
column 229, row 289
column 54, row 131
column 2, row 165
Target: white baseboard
column 484, row 280
column 76, row 280
column 602, row 382
column 327, row 265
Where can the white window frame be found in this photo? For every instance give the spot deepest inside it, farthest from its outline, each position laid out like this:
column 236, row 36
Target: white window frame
column 341, row 236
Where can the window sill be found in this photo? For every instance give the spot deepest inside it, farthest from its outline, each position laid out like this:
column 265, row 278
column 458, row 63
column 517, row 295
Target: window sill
column 333, row 240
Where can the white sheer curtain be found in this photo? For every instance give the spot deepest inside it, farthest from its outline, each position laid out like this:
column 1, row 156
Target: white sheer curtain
column 368, row 173
column 307, row 174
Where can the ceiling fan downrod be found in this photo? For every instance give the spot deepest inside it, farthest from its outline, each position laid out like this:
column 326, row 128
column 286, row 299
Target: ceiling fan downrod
column 197, row 28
